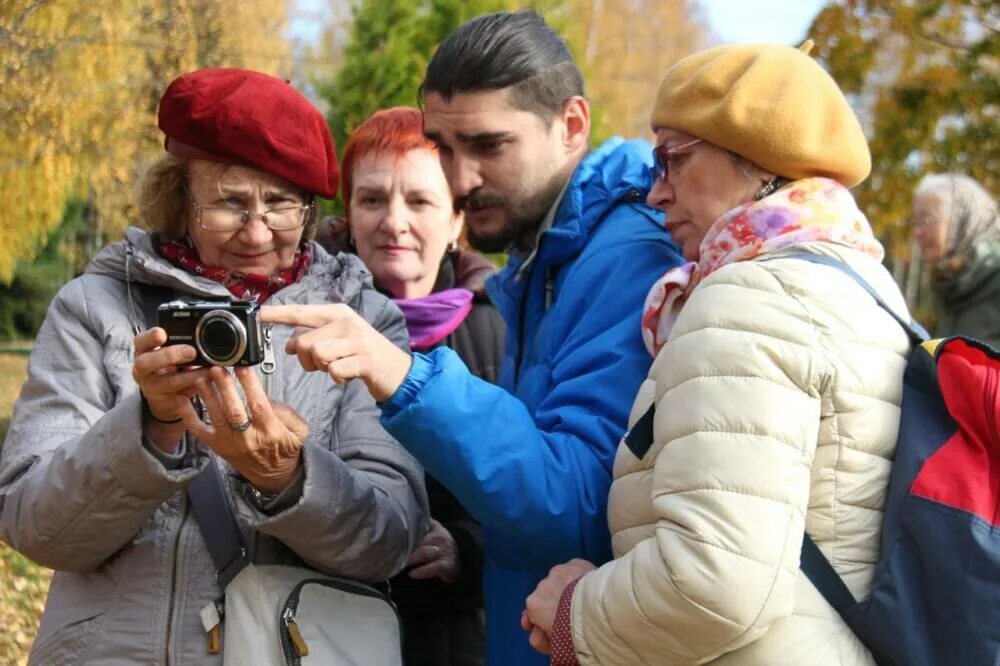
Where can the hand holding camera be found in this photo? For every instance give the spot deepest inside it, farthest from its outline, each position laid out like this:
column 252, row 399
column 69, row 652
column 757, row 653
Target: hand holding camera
column 160, row 372
column 187, row 355
column 188, row 335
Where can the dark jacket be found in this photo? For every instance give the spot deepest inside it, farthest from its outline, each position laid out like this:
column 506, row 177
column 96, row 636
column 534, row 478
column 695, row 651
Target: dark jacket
column 442, row 623
column 968, row 303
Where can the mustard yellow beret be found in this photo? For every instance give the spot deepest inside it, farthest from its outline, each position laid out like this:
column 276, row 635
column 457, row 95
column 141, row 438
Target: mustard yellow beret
column 773, row 105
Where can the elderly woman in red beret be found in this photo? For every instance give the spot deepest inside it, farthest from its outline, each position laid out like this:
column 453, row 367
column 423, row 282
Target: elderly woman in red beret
column 105, row 438
column 773, row 405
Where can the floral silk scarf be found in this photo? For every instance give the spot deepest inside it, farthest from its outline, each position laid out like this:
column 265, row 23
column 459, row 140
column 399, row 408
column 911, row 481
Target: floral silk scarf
column 803, row 211
column 244, row 286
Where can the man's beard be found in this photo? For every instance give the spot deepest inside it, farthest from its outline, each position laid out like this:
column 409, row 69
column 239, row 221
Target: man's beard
column 521, row 220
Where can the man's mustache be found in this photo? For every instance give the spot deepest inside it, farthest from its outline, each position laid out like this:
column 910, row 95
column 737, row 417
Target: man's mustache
column 479, row 200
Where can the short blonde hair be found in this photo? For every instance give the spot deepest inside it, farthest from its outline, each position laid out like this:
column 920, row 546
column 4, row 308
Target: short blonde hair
column 164, row 203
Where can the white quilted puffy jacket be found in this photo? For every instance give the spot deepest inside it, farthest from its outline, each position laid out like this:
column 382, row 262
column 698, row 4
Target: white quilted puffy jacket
column 777, row 409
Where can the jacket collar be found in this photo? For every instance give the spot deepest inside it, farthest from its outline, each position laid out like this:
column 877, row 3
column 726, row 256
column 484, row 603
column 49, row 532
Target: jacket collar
column 339, row 277
column 466, row 270
column 605, row 177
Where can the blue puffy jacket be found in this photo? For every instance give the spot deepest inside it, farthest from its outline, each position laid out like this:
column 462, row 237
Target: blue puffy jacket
column 531, row 458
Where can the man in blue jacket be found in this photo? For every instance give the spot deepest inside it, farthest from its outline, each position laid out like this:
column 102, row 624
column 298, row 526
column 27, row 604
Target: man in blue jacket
column 530, row 458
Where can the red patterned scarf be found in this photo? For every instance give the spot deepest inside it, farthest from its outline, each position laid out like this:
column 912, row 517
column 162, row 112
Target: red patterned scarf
column 244, row 286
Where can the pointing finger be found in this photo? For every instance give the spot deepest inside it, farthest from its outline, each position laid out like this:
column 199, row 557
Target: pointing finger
column 312, row 316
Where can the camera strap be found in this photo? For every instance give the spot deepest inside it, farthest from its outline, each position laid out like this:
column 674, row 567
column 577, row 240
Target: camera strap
column 206, row 492
column 151, row 297
column 218, row 525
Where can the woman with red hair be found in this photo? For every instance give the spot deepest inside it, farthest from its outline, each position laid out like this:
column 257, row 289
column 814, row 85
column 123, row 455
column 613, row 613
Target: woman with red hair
column 403, row 225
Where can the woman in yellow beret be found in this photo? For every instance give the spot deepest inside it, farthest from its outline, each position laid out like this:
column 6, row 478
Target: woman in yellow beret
column 776, row 387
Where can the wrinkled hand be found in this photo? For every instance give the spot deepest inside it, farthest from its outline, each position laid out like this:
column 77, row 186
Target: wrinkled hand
column 436, row 556
column 165, row 382
column 337, row 340
column 541, row 606
column 268, row 452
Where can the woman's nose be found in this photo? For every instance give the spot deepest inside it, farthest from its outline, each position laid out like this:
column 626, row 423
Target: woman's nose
column 255, row 231
column 395, row 220
column 661, row 194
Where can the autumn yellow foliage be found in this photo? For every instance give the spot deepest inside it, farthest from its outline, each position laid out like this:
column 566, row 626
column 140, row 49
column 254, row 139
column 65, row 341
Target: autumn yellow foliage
column 624, row 48
column 79, row 84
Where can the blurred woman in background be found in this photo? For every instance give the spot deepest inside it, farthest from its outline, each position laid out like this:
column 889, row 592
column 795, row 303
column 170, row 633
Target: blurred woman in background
column 957, row 227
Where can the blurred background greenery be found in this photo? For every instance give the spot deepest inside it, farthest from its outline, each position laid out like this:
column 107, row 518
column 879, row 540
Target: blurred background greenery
column 80, row 81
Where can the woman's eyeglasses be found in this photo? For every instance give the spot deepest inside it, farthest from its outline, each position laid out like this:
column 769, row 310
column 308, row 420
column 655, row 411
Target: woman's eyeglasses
column 662, row 156
column 223, row 218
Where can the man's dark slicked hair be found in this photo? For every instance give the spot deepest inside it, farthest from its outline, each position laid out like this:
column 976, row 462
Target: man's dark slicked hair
column 517, row 51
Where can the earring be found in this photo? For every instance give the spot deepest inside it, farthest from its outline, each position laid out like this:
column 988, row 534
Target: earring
column 767, row 189
column 453, row 246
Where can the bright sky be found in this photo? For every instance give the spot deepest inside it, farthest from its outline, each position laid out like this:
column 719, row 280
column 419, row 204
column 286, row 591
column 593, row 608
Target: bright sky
column 771, row 21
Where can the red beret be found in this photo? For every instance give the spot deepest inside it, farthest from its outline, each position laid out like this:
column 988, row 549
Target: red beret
column 244, row 117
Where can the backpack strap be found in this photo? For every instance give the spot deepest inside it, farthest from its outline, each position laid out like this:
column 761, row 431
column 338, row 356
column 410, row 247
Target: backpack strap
column 640, row 436
column 813, row 563
column 825, row 578
column 916, row 332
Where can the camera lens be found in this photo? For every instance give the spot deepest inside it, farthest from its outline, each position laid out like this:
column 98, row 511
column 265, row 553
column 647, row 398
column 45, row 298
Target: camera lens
column 220, row 337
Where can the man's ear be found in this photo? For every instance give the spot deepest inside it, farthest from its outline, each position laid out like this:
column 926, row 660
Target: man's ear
column 455, row 228
column 576, row 124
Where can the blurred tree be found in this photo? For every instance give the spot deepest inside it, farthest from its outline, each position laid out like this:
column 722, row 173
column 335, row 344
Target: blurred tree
column 79, row 85
column 624, row 47
column 24, row 302
column 386, row 54
column 923, row 75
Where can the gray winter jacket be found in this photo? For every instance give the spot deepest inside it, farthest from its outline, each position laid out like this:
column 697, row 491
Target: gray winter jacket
column 82, row 493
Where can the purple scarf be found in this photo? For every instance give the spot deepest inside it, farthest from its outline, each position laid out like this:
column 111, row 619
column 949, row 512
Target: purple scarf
column 431, row 319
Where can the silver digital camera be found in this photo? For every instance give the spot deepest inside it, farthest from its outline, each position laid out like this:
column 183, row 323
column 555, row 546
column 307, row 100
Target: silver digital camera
column 224, row 333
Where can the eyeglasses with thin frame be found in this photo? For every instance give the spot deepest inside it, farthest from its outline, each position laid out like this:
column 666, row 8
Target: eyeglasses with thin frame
column 663, row 154
column 224, row 218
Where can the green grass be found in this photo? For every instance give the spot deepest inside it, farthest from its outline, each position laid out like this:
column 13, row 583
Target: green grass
column 23, row 585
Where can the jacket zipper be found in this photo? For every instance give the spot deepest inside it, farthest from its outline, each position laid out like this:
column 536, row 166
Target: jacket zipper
column 293, row 647
column 174, row 564
column 631, row 196
column 521, row 334
column 267, row 368
column 268, row 365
